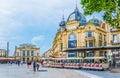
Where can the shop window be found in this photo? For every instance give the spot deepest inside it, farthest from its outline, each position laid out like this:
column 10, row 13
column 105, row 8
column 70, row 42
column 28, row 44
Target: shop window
column 90, row 54
column 72, row 54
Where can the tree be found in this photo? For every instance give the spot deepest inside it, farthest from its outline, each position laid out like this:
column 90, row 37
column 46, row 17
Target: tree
column 111, row 9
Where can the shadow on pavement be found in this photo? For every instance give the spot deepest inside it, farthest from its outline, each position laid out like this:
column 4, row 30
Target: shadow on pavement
column 42, row 70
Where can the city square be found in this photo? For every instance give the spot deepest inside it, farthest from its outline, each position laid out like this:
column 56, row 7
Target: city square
column 60, row 39
column 15, row 71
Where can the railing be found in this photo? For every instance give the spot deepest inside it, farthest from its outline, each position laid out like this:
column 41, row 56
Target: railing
column 89, row 36
column 115, row 43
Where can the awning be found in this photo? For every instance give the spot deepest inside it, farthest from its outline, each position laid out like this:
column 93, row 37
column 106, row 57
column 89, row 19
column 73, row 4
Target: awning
column 93, row 48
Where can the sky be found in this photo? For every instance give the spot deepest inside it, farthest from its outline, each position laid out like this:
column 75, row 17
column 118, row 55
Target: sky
column 34, row 21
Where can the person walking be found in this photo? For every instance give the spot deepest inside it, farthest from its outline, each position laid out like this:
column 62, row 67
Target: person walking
column 38, row 65
column 28, row 64
column 19, row 63
column 34, row 66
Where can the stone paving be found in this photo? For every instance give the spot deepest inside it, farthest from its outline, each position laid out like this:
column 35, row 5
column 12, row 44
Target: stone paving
column 104, row 74
column 14, row 71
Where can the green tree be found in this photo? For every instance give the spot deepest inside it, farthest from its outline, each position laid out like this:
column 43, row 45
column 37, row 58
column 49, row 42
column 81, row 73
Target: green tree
column 111, row 9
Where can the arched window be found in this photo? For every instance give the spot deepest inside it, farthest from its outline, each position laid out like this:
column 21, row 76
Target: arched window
column 72, row 41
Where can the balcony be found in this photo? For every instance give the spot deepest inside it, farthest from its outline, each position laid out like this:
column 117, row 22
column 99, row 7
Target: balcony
column 115, row 30
column 115, row 43
column 89, row 38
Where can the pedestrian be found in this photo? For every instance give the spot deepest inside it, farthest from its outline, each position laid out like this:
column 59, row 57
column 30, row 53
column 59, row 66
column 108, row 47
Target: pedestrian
column 28, row 64
column 19, row 63
column 34, row 66
column 38, row 65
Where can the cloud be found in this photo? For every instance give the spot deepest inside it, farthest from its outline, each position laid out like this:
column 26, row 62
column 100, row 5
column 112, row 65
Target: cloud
column 37, row 38
column 4, row 12
column 23, row 20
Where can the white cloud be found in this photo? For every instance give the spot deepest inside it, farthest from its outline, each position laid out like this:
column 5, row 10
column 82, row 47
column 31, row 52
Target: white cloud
column 4, row 12
column 37, row 39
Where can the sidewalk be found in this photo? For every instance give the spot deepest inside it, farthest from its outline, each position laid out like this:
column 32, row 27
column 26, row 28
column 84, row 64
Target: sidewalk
column 115, row 70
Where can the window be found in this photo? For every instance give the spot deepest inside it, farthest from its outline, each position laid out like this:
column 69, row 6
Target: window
column 105, row 40
column 100, row 39
column 115, row 38
column 90, row 54
column 89, row 34
column 23, row 59
column 28, row 53
column 23, row 53
column 72, row 54
column 72, row 42
column 32, row 53
column 101, row 53
column 61, row 46
column 28, row 59
column 90, row 43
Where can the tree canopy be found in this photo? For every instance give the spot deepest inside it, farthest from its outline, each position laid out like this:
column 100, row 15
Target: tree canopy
column 111, row 9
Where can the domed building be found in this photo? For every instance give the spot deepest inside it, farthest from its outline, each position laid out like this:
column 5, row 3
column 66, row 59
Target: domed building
column 78, row 38
column 77, row 16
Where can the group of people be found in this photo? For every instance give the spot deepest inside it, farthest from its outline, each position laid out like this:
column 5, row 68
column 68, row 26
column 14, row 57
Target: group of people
column 36, row 65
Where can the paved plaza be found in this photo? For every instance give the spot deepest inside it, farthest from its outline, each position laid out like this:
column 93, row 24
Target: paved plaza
column 14, row 71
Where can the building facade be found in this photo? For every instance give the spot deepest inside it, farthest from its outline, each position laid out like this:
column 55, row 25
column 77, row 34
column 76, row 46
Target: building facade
column 78, row 37
column 27, row 52
column 47, row 54
column 3, row 53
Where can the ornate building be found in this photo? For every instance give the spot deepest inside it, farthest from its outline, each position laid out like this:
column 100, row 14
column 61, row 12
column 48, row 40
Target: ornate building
column 47, row 54
column 27, row 52
column 78, row 37
column 3, row 53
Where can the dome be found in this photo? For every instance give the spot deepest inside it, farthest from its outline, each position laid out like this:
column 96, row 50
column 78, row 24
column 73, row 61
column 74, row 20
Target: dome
column 94, row 21
column 82, row 21
column 62, row 23
column 77, row 16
